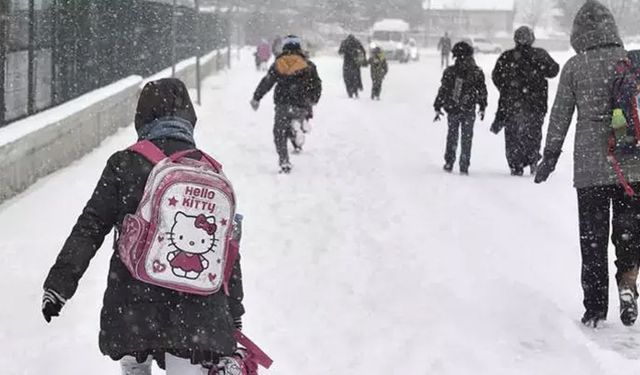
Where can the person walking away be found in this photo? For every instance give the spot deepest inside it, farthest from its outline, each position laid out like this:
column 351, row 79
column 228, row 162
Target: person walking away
column 586, row 82
column 379, row 69
column 355, row 57
column 263, row 54
column 139, row 321
column 463, row 88
column 521, row 75
column 444, row 46
column 297, row 89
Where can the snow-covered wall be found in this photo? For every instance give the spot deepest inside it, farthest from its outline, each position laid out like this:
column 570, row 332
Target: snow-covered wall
column 41, row 144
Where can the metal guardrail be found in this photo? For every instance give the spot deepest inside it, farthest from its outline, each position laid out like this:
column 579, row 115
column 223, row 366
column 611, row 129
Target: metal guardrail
column 52, row 51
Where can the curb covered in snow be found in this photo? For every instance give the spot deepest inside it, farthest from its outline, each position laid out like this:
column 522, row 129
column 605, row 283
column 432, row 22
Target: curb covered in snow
column 41, row 144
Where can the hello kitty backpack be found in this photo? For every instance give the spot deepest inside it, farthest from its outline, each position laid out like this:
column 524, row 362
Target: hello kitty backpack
column 181, row 236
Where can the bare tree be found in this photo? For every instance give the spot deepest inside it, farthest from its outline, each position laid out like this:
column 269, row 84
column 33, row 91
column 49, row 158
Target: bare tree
column 532, row 12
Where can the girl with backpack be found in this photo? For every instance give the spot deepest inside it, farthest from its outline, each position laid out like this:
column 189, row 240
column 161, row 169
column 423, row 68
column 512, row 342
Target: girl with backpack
column 463, row 88
column 140, row 321
column 586, row 82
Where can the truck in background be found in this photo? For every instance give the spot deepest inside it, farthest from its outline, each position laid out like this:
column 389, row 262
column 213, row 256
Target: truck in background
column 392, row 36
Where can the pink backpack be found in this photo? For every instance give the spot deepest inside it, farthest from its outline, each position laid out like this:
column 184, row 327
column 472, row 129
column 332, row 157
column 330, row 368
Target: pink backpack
column 181, row 236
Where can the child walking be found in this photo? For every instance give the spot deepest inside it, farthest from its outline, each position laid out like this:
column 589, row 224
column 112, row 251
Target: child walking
column 463, row 88
column 186, row 333
column 379, row 69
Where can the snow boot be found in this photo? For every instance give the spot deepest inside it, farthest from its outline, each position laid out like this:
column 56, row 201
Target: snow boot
column 285, row 168
column 464, row 171
column 517, row 172
column 628, row 307
column 628, row 293
column 448, row 167
column 593, row 319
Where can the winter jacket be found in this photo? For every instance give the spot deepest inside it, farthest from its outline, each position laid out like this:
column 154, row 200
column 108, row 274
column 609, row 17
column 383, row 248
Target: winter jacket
column 463, row 87
column 353, row 52
column 586, row 84
column 379, row 66
column 296, row 80
column 354, row 57
column 139, row 319
column 521, row 77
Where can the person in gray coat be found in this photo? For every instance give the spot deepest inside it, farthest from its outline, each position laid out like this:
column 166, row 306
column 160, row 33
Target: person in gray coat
column 586, row 84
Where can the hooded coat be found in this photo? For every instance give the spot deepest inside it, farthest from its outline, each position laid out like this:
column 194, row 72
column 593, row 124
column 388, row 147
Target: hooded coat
column 139, row 319
column 354, row 56
column 521, row 76
column 586, row 83
column 472, row 89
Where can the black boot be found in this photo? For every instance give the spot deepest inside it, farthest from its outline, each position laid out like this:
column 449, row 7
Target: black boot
column 593, row 319
column 448, row 167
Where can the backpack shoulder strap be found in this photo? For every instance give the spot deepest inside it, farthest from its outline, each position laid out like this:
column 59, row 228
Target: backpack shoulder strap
column 150, row 151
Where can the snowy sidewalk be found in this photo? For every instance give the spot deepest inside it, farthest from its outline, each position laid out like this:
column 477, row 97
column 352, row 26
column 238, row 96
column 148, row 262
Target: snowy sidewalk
column 366, row 260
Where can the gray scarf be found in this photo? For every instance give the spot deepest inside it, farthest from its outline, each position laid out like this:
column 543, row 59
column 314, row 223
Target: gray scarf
column 167, row 128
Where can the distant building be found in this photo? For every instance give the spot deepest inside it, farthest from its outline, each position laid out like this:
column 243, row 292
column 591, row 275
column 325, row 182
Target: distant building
column 469, row 17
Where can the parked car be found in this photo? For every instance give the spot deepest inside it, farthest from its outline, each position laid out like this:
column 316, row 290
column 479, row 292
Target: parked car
column 483, row 45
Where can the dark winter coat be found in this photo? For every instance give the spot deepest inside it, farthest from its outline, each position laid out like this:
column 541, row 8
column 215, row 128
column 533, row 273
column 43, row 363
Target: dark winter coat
column 462, row 88
column 586, row 83
column 379, row 66
column 137, row 318
column 296, row 80
column 354, row 56
column 444, row 45
column 521, row 77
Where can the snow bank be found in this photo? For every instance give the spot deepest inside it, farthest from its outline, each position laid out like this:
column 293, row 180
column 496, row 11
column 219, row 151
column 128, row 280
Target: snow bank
column 45, row 142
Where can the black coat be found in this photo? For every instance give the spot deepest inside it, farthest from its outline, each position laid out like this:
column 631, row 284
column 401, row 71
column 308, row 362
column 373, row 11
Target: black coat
column 521, row 77
column 354, row 56
column 138, row 318
column 462, row 88
column 296, row 80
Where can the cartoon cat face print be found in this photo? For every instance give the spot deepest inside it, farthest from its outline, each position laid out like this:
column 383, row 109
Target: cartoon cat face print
column 193, row 234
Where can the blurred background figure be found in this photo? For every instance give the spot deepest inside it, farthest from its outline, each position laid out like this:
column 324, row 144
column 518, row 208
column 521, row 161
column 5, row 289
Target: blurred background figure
column 444, row 46
column 262, row 54
column 379, row 69
column 355, row 57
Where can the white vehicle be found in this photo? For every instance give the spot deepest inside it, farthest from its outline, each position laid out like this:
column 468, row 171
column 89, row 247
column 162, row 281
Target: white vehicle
column 483, row 45
column 391, row 35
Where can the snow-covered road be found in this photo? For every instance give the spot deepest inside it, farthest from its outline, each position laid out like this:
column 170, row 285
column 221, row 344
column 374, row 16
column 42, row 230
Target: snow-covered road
column 368, row 259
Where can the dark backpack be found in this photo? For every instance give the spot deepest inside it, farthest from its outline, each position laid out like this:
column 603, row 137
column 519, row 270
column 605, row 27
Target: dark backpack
column 625, row 119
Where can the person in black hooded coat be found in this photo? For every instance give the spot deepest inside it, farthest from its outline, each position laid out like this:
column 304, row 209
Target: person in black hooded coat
column 463, row 89
column 521, row 76
column 139, row 320
column 354, row 56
